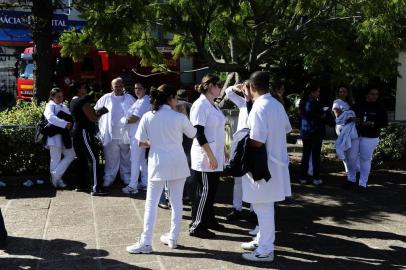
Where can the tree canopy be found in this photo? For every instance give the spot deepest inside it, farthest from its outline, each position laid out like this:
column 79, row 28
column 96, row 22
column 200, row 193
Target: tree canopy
column 353, row 40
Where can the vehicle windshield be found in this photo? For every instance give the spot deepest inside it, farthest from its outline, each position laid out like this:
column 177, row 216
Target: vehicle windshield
column 27, row 70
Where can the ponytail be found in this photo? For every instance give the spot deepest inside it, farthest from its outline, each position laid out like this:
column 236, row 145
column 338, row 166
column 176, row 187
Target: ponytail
column 161, row 96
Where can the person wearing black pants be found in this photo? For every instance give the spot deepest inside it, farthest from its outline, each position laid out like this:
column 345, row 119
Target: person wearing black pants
column 207, row 157
column 3, row 231
column 84, row 140
column 312, row 132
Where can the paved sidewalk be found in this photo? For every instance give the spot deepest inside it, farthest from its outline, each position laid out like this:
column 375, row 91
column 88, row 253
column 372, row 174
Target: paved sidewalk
column 318, row 228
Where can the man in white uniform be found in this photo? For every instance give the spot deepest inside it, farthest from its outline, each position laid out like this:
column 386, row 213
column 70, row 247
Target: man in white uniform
column 268, row 125
column 138, row 160
column 116, row 150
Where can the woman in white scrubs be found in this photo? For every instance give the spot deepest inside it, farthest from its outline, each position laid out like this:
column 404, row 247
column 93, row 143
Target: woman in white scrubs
column 55, row 144
column 162, row 130
column 207, row 157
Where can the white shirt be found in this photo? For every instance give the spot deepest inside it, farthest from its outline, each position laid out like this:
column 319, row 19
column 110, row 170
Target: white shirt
column 139, row 108
column 213, row 120
column 242, row 106
column 117, row 112
column 341, row 104
column 269, row 124
column 51, row 110
column 164, row 130
column 106, row 120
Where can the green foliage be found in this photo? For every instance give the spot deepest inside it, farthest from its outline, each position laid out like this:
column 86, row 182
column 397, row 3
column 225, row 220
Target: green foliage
column 18, row 154
column 392, row 144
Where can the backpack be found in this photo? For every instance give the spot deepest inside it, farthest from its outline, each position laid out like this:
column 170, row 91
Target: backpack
column 39, row 136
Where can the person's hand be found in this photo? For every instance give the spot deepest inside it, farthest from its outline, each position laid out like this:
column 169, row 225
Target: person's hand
column 213, row 164
column 123, row 120
column 69, row 125
column 238, row 87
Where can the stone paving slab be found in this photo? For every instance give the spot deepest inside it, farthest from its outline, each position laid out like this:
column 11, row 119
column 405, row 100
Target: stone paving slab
column 318, row 228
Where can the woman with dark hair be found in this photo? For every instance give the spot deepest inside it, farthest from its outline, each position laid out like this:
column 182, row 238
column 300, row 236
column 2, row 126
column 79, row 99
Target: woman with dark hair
column 311, row 131
column 84, row 140
column 207, row 157
column 59, row 142
column 371, row 117
column 162, row 130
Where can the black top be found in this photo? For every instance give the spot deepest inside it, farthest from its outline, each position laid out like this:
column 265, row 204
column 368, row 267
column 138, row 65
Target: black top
column 370, row 112
column 80, row 120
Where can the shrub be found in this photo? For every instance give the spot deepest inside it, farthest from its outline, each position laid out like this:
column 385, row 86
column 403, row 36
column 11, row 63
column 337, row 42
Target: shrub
column 18, row 153
column 392, row 144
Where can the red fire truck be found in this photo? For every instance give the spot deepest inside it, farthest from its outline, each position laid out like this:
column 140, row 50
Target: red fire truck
column 97, row 68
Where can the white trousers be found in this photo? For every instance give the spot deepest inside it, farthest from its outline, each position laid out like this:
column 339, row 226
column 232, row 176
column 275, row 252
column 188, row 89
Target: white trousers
column 361, row 153
column 138, row 165
column 154, row 192
column 117, row 156
column 58, row 165
column 266, row 222
column 237, row 193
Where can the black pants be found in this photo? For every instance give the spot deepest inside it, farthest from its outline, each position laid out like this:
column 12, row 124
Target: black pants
column 3, row 232
column 205, row 185
column 311, row 145
column 86, row 150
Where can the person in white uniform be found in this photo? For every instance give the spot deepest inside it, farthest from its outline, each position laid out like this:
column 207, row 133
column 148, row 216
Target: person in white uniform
column 138, row 160
column 162, row 130
column 268, row 124
column 55, row 144
column 116, row 150
column 207, row 157
column 239, row 95
column 342, row 103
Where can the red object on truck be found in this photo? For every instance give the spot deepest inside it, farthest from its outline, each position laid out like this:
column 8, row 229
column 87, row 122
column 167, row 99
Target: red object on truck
column 97, row 69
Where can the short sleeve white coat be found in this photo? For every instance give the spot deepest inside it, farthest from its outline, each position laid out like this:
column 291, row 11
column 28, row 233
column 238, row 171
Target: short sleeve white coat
column 242, row 106
column 50, row 113
column 164, row 130
column 269, row 124
column 213, row 120
column 139, row 108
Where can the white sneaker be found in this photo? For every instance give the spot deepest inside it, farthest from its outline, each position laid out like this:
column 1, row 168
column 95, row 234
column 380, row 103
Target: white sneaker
column 138, row 248
column 317, row 182
column 167, row 241
column 60, row 184
column 129, row 190
column 254, row 231
column 251, row 246
column 108, row 183
column 256, row 257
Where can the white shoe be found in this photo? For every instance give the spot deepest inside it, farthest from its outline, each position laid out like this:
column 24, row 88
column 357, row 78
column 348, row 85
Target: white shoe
column 60, row 184
column 251, row 246
column 129, row 190
column 139, row 248
column 317, row 182
column 167, row 241
column 256, row 257
column 107, row 183
column 254, row 231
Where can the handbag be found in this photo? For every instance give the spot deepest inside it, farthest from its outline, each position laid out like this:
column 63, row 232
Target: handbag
column 39, row 136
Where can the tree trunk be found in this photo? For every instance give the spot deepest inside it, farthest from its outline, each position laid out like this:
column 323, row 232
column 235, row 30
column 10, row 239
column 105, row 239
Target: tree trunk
column 42, row 11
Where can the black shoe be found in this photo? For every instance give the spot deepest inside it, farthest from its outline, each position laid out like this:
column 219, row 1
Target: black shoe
column 361, row 189
column 216, row 226
column 252, row 218
column 203, row 233
column 348, row 185
column 234, row 215
column 98, row 192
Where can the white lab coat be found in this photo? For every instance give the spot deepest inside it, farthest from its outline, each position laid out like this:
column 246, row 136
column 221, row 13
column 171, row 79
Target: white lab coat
column 212, row 118
column 347, row 133
column 105, row 122
column 269, row 124
column 51, row 110
column 164, row 130
column 242, row 106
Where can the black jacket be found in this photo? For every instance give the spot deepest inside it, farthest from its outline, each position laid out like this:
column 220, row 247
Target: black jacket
column 51, row 130
column 246, row 159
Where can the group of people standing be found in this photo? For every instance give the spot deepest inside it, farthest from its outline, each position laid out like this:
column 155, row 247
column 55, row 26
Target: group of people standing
column 144, row 141
column 358, row 126
column 126, row 128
